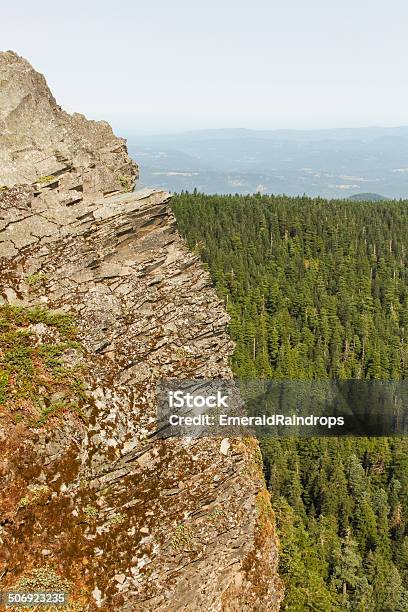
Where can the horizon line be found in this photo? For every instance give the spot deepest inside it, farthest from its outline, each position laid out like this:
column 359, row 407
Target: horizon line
column 275, row 130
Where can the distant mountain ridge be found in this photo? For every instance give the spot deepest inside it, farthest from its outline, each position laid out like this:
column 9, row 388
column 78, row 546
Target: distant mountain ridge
column 328, row 163
column 371, row 132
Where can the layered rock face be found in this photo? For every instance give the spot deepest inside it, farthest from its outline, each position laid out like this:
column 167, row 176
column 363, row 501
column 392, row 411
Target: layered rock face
column 88, row 496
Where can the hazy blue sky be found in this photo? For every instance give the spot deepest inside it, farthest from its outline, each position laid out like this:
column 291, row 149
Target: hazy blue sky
column 175, row 64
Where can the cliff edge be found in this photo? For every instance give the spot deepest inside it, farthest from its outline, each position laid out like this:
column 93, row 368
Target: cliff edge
column 100, row 298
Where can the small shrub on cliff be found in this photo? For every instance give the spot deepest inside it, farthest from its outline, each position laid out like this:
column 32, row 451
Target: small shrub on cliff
column 35, row 494
column 46, row 579
column 90, row 513
column 34, row 280
column 43, row 579
column 118, row 519
column 125, row 182
column 182, row 537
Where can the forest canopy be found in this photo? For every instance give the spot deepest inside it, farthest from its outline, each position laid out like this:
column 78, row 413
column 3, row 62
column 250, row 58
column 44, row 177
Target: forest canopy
column 318, row 289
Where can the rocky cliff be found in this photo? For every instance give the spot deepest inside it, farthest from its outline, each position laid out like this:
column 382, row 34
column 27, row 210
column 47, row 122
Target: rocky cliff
column 100, row 298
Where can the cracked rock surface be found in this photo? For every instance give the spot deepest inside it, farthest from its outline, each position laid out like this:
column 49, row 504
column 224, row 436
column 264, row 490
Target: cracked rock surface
column 133, row 523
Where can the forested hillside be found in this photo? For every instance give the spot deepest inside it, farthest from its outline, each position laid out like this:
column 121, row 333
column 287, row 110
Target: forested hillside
column 319, row 289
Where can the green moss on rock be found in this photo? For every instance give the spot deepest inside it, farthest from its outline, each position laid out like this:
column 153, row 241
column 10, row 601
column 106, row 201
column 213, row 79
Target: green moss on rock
column 35, row 365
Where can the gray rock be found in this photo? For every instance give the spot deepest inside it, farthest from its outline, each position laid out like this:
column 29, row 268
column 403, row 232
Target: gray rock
column 38, row 139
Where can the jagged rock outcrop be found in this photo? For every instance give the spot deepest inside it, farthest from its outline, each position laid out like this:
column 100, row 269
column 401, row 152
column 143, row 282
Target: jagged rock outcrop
column 38, row 140
column 132, row 523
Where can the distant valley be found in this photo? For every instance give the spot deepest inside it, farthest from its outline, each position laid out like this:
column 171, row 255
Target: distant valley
column 336, row 163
